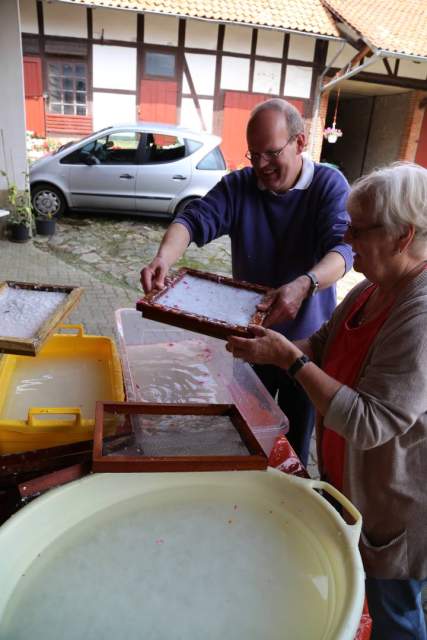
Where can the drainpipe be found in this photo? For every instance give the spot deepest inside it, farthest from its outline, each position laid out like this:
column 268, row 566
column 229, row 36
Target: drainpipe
column 353, row 72
column 317, row 95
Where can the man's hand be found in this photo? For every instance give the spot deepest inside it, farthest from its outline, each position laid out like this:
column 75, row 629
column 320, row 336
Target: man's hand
column 153, row 276
column 266, row 347
column 172, row 247
column 284, row 303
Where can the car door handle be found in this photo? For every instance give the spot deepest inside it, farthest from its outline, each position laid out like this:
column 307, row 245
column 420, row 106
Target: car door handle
column 126, row 176
column 179, row 177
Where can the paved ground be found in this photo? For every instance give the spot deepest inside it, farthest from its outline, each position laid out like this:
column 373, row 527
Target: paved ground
column 112, row 252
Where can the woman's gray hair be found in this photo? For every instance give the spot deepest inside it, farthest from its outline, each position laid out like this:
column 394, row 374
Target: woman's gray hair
column 294, row 120
column 396, row 196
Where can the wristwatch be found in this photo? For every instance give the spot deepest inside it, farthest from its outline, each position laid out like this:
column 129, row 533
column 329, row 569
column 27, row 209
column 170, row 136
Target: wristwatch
column 297, row 365
column 314, row 286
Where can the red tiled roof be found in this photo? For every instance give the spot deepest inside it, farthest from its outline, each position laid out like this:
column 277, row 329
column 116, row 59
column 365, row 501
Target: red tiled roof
column 308, row 16
column 398, row 26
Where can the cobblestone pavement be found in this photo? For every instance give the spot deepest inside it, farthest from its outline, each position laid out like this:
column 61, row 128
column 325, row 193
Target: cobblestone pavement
column 113, row 250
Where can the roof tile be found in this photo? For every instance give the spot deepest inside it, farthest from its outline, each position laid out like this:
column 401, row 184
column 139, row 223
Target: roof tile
column 308, row 16
column 398, row 26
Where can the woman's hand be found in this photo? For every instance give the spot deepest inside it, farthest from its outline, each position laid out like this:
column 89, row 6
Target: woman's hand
column 266, row 347
column 284, row 303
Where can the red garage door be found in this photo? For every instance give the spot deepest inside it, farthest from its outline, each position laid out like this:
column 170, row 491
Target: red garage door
column 157, row 101
column 237, row 108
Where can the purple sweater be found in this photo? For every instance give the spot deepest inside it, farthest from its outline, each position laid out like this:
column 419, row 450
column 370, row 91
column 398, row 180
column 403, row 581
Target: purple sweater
column 277, row 237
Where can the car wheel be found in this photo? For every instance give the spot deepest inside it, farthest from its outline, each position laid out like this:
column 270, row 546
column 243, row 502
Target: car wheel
column 47, row 200
column 181, row 205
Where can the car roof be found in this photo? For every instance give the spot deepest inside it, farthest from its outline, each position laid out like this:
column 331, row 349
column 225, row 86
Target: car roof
column 162, row 128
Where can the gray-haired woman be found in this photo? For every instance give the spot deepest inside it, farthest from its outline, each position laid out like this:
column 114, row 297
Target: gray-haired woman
column 366, row 373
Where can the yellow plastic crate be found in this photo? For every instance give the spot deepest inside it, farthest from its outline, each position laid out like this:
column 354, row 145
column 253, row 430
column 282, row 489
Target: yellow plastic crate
column 50, row 400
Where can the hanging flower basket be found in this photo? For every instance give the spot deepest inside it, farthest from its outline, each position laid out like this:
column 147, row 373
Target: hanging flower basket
column 332, row 134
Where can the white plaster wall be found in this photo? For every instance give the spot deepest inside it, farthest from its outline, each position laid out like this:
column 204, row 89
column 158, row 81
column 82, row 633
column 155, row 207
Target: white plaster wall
column 114, row 67
column 410, row 69
column 377, row 67
column 267, row 77
column 301, row 48
column 345, row 56
column 112, row 108
column 269, row 43
column 61, row 19
column 12, row 110
column 190, row 117
column 298, row 81
column 117, row 25
column 237, row 39
column 235, row 73
column 28, row 14
column 201, row 35
column 161, row 29
column 202, row 70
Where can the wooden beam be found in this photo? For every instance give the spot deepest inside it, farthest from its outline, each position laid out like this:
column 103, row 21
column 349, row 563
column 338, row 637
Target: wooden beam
column 194, row 94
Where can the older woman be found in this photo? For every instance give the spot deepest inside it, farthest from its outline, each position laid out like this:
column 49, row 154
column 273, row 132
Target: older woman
column 366, row 373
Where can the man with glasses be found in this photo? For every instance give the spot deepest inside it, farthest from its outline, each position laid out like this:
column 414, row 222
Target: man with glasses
column 286, row 219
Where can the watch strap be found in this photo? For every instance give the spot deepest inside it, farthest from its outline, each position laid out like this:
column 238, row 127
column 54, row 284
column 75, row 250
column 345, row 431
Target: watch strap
column 314, row 282
column 297, row 365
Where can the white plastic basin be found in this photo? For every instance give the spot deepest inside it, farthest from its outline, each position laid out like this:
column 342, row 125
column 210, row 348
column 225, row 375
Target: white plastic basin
column 191, row 556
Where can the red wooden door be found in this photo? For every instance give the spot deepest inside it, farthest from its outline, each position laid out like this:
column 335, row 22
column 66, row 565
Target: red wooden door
column 34, row 102
column 157, row 101
column 421, row 155
column 237, row 108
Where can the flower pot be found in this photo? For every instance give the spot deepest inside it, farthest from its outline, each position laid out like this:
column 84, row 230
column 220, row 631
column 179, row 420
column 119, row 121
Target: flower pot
column 18, row 232
column 332, row 137
column 3, row 222
column 45, row 226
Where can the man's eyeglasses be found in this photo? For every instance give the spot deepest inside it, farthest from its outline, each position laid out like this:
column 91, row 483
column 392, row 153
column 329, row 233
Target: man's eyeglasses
column 356, row 232
column 254, row 156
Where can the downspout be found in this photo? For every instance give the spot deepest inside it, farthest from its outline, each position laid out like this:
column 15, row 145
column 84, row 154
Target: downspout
column 317, row 98
column 353, row 72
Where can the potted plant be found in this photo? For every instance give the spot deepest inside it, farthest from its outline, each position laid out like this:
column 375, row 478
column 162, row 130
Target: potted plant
column 20, row 212
column 45, row 224
column 20, row 218
column 332, row 133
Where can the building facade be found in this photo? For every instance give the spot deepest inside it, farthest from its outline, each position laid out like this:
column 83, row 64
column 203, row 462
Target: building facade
column 86, row 67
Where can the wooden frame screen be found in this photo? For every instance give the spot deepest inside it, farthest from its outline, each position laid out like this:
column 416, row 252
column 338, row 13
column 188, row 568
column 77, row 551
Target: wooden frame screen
column 254, row 459
column 152, row 307
column 31, row 346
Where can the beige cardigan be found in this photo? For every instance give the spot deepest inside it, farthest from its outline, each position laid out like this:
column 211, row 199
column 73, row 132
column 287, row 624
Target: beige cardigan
column 384, row 422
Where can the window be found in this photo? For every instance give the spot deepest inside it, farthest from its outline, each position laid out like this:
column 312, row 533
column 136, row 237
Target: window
column 193, row 145
column 116, row 148
column 67, row 88
column 161, row 65
column 164, row 148
column 214, row 161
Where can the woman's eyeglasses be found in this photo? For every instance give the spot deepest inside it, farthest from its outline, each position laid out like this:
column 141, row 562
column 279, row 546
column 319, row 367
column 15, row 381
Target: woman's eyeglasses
column 356, row 232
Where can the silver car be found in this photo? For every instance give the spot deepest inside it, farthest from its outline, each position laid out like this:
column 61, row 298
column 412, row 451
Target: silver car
column 140, row 168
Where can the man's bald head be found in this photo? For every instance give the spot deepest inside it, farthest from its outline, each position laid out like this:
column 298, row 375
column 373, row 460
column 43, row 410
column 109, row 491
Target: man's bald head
column 291, row 115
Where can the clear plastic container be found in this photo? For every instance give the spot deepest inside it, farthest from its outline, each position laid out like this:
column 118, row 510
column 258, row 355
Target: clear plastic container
column 165, row 364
